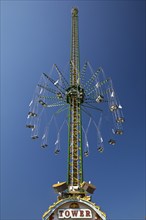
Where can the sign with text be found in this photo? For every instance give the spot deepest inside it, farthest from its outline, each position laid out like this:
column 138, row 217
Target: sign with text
column 74, row 213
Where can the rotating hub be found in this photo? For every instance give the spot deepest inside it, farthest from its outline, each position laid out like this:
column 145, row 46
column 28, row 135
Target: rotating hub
column 75, row 92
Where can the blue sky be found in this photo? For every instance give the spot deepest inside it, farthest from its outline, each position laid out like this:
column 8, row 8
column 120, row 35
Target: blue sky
column 34, row 36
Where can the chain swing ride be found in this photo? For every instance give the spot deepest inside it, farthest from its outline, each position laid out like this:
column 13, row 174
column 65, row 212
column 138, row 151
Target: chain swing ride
column 90, row 99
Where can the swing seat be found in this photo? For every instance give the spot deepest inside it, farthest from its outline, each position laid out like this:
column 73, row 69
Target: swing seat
column 44, row 145
column 34, row 137
column 30, row 126
column 100, row 149
column 119, row 131
column 113, row 108
column 57, row 151
column 120, row 120
column 86, row 153
column 59, row 95
column 42, row 103
column 100, row 98
column 112, row 142
column 33, row 114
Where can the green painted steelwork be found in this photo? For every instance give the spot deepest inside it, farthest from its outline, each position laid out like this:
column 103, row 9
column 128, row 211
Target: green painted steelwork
column 75, row 96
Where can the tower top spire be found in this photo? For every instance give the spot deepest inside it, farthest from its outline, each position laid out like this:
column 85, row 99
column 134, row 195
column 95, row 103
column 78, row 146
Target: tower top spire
column 74, row 11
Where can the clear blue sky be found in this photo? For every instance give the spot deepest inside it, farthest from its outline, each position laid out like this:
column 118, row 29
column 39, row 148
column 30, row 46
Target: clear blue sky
column 36, row 34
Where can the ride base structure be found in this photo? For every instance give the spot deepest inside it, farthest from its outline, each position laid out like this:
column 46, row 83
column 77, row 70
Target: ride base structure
column 75, row 97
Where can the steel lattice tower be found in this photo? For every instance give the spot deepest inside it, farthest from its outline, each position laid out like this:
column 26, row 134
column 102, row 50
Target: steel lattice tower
column 75, row 97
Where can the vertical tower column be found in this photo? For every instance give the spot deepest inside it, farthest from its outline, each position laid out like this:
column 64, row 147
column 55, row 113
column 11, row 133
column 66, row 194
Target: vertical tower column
column 75, row 171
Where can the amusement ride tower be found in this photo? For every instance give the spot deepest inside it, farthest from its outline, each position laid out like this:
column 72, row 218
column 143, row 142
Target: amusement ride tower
column 74, row 200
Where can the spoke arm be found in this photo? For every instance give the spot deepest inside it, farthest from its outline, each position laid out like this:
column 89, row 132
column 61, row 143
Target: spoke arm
column 93, row 77
column 91, row 106
column 48, row 89
column 55, row 83
column 60, row 74
column 63, row 108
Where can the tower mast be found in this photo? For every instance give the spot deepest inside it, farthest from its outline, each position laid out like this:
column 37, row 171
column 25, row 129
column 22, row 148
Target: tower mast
column 75, row 96
column 73, row 199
